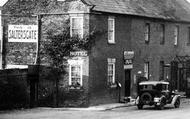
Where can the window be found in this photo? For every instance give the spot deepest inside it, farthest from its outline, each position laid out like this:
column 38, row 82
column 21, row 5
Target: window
column 147, row 33
column 162, row 34
column 188, row 42
column 111, row 30
column 161, row 70
column 176, row 35
column 75, row 72
column 76, row 28
column 146, row 70
column 111, row 70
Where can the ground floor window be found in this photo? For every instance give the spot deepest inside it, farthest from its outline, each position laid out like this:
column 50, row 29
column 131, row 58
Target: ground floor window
column 146, row 70
column 111, row 70
column 75, row 73
column 161, row 70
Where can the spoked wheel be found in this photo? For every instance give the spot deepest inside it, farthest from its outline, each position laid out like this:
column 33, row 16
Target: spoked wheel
column 177, row 103
column 140, row 106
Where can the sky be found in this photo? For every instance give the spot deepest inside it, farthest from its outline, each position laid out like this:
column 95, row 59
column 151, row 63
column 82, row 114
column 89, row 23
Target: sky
column 3, row 2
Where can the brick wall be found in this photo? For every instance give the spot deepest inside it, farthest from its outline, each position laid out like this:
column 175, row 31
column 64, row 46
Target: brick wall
column 18, row 53
column 100, row 92
column 25, row 53
column 154, row 52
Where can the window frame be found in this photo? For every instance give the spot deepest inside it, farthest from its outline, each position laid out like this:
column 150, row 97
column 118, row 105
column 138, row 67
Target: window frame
column 71, row 25
column 176, row 35
column 162, row 34
column 75, row 63
column 111, row 30
column 147, row 33
column 161, row 70
column 146, row 69
column 111, row 61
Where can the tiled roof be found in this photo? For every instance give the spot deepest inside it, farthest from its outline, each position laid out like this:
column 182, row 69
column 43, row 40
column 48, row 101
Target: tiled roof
column 165, row 9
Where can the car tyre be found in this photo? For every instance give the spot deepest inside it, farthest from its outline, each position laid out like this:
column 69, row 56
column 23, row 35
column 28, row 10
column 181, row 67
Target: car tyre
column 177, row 103
column 161, row 106
column 140, row 106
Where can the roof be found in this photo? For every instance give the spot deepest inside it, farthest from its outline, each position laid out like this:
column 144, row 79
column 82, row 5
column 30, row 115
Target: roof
column 165, row 9
column 177, row 10
column 153, row 82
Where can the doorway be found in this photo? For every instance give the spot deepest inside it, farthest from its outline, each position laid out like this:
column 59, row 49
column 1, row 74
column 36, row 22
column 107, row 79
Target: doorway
column 127, row 82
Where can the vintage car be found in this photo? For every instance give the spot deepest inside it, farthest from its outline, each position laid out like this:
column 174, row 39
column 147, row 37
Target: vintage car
column 156, row 93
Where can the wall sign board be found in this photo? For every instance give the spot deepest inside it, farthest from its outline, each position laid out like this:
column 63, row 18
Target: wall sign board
column 79, row 54
column 128, row 59
column 22, row 33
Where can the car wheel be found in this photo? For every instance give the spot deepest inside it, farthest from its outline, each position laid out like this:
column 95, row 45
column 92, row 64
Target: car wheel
column 161, row 106
column 146, row 97
column 177, row 103
column 140, row 106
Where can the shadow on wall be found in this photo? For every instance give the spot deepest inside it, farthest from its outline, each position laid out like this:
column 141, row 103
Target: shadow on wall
column 53, row 90
column 14, row 89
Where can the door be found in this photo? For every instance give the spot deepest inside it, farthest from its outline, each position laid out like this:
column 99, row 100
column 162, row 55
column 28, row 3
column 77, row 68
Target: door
column 127, row 82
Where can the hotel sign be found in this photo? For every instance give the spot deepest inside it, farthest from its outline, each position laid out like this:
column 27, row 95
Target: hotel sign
column 22, row 33
column 79, row 54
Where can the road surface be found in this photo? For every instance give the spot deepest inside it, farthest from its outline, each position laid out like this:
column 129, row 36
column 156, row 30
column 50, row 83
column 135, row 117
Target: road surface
column 118, row 113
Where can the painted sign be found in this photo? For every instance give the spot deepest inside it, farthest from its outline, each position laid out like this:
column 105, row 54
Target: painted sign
column 128, row 54
column 128, row 59
column 22, row 33
column 79, row 54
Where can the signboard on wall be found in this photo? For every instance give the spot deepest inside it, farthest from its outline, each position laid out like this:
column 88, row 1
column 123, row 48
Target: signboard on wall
column 128, row 55
column 22, row 33
column 128, row 59
column 79, row 54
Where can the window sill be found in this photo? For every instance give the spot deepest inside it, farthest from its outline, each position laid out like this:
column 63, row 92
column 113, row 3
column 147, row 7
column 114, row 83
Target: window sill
column 71, row 87
column 111, row 43
column 113, row 85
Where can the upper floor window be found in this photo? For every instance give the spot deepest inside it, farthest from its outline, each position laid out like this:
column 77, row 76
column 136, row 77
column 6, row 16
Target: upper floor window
column 111, row 70
column 162, row 34
column 76, row 28
column 176, row 35
column 111, row 30
column 147, row 33
column 146, row 70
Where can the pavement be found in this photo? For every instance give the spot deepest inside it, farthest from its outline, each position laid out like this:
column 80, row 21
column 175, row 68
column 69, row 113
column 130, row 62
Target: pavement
column 101, row 107
column 104, row 107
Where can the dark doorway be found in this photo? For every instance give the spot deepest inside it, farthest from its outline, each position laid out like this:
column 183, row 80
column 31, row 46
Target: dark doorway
column 127, row 82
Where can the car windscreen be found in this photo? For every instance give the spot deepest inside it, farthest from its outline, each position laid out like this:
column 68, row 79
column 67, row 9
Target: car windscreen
column 161, row 87
column 146, row 87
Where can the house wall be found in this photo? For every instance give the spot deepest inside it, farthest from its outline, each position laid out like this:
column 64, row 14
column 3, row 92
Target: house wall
column 154, row 52
column 100, row 91
column 129, row 36
column 21, row 54
column 18, row 53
